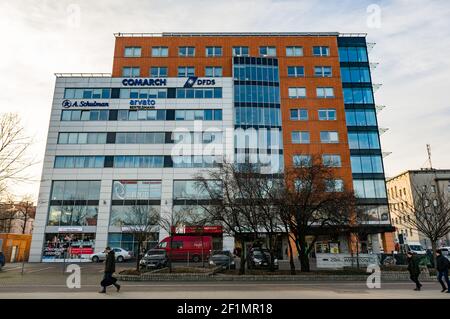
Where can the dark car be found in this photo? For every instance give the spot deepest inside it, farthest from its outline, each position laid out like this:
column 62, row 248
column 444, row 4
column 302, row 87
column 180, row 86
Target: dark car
column 155, row 259
column 259, row 258
column 2, row 259
column 222, row 258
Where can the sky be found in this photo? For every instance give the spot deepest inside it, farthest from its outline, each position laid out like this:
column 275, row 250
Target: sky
column 412, row 39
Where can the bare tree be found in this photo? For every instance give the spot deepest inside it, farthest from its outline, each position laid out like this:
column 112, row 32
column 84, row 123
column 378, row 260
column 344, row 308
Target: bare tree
column 14, row 144
column 429, row 213
column 317, row 203
column 231, row 202
column 7, row 215
column 140, row 221
column 25, row 210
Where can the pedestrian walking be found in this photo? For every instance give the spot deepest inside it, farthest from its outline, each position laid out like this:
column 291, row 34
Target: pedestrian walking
column 414, row 270
column 110, row 268
column 442, row 266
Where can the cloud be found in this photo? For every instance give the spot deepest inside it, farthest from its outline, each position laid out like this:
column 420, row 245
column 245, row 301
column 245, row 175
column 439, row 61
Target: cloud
column 413, row 42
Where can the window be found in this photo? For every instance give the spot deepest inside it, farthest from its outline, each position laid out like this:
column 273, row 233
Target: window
column 334, row 185
column 366, row 164
column 329, row 137
column 132, row 52
column 321, row 51
column 356, row 117
column 368, row 188
column 294, row 51
column 188, row 189
column 297, row 92
column 331, row 160
column 325, row 93
column 129, row 72
column 355, row 75
column 363, row 140
column 160, row 51
column 133, row 189
column 82, row 138
column 213, row 51
column 145, row 161
column 267, row 51
column 79, row 161
column 448, row 187
column 327, row 114
column 301, row 160
column 299, row 114
column 240, row 51
column 358, row 96
column 299, row 137
column 158, row 71
column 353, row 54
column 322, row 71
column 296, row 71
column 185, row 71
column 186, row 51
column 213, row 71
column 433, row 188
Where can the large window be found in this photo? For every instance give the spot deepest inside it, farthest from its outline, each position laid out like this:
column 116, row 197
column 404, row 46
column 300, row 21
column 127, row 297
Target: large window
column 75, row 190
column 294, row 51
column 136, row 189
column 296, row 71
column 325, row 92
column 87, row 93
column 298, row 114
column 186, row 51
column 240, row 51
column 299, row 137
column 195, row 161
column 190, row 189
column 355, row 75
column 145, row 161
column 213, row 51
column 197, row 93
column 302, row 160
column 331, row 160
column 160, row 51
column 158, row 71
column 329, row 137
column 185, row 71
column 363, row 140
column 79, row 161
column 297, row 92
column 334, row 185
column 267, row 51
column 267, row 116
column 143, row 93
column 353, row 54
column 130, row 71
column 255, row 72
column 323, row 71
column 327, row 114
column 368, row 188
column 213, row 71
column 131, row 215
column 366, row 164
column 81, row 138
column 321, row 51
column 140, row 138
column 358, row 96
column 363, row 117
column 132, row 52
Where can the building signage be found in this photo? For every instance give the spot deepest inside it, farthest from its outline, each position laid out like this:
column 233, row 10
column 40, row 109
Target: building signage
column 70, row 229
column 335, row 261
column 68, row 103
column 193, row 80
column 142, row 104
column 144, row 82
column 182, row 229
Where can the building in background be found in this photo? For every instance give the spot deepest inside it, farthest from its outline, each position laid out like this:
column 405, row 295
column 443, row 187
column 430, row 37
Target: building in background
column 17, row 217
column 122, row 141
column 401, row 195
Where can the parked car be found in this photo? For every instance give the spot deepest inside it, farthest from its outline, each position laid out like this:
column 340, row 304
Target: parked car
column 259, row 258
column 222, row 258
column 120, row 253
column 154, row 258
column 414, row 247
column 2, row 260
column 187, row 247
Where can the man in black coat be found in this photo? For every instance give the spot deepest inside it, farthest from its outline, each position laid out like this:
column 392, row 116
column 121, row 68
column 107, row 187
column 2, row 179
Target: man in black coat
column 442, row 265
column 414, row 270
column 110, row 268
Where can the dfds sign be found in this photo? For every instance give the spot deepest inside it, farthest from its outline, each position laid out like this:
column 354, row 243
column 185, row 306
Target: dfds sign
column 144, row 82
column 193, row 80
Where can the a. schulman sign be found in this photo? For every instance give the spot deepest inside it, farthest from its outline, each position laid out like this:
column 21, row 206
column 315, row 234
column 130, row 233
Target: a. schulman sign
column 68, row 103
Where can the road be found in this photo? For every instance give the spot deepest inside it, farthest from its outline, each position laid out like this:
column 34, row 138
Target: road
column 49, row 281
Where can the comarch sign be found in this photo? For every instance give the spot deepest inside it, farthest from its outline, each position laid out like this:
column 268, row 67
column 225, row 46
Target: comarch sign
column 144, row 82
column 68, row 103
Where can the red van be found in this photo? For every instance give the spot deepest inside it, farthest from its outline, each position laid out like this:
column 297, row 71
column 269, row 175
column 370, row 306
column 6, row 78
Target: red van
column 184, row 247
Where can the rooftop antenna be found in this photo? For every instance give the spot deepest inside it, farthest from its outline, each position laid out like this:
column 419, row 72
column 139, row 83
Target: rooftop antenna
column 429, row 155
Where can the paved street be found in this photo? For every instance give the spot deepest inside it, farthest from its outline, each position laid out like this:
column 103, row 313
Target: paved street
column 49, row 281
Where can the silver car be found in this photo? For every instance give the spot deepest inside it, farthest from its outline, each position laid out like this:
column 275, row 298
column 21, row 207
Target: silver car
column 120, row 253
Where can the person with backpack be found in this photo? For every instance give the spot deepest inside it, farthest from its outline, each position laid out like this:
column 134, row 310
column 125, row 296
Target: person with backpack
column 442, row 265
